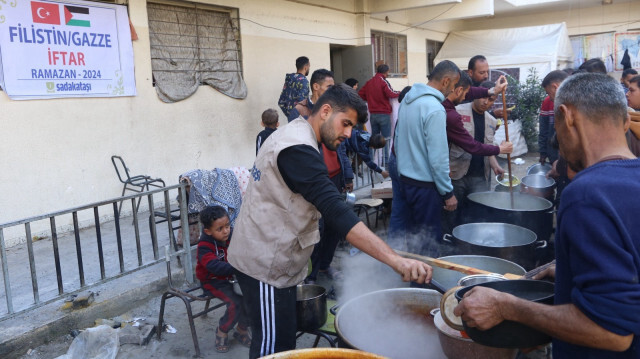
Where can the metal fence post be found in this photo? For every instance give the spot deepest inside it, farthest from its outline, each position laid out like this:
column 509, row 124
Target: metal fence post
column 186, row 240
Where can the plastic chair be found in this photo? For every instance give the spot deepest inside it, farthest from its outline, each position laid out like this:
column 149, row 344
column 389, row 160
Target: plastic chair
column 187, row 299
column 136, row 184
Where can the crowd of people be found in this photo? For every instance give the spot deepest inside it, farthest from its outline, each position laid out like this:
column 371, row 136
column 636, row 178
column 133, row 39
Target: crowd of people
column 443, row 149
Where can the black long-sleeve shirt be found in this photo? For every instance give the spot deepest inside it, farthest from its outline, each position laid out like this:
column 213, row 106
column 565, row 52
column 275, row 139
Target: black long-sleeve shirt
column 304, row 172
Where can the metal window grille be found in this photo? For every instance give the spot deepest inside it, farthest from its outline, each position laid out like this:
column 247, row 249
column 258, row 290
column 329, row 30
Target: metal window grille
column 390, row 49
column 194, row 45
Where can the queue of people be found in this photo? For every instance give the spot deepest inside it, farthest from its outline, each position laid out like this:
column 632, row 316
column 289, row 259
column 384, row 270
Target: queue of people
column 442, row 151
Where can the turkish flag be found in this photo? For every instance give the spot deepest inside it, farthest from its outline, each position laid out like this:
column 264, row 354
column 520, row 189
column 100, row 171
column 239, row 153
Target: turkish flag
column 45, row 13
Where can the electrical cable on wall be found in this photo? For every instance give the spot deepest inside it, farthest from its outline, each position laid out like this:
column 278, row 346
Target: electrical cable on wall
column 344, row 39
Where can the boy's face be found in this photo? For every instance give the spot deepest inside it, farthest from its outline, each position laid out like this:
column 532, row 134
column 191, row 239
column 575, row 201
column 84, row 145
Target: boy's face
column 219, row 229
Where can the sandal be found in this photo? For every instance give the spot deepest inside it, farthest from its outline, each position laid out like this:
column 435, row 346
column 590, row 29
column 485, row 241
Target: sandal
column 243, row 339
column 222, row 343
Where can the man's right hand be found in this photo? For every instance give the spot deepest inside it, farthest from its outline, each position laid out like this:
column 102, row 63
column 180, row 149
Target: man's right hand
column 384, row 174
column 506, row 147
column 413, row 270
column 451, row 204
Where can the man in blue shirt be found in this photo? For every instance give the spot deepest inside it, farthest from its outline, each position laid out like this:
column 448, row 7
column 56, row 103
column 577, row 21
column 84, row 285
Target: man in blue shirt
column 422, row 155
column 597, row 292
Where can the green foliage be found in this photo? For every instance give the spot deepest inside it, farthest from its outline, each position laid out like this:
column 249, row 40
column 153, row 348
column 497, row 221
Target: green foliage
column 527, row 97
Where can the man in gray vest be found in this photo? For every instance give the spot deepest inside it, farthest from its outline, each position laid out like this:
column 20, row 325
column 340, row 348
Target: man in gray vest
column 278, row 224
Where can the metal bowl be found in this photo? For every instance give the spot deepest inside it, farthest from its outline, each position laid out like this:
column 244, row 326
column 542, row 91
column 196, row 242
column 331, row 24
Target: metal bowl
column 449, row 279
column 510, row 334
column 480, row 278
column 539, row 168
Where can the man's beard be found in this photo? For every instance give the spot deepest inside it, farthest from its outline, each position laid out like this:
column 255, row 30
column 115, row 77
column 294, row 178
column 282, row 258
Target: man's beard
column 327, row 135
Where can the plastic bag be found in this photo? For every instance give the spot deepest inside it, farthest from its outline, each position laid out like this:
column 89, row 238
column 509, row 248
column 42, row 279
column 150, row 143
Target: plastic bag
column 100, row 342
column 515, row 136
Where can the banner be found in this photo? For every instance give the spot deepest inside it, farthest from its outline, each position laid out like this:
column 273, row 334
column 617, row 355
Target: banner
column 57, row 49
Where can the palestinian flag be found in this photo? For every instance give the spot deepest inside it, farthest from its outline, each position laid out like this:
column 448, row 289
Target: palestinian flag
column 76, row 16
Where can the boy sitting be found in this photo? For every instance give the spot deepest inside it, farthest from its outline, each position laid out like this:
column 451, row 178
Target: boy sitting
column 214, row 272
column 360, row 142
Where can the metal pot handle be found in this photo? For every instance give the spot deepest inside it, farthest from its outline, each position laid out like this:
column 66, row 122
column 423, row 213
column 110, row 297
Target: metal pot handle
column 447, row 238
column 552, row 211
column 543, row 244
column 334, row 309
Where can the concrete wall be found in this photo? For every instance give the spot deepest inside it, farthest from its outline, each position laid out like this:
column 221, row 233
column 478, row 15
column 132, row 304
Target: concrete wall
column 55, row 154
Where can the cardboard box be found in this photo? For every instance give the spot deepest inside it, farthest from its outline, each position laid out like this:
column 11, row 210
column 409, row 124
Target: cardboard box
column 382, row 190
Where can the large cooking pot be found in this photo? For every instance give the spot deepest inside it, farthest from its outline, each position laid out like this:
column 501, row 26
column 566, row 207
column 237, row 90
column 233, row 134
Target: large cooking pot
column 528, row 211
column 393, row 322
column 538, row 185
column 507, row 241
column 510, row 334
column 449, row 278
column 454, row 345
column 311, row 307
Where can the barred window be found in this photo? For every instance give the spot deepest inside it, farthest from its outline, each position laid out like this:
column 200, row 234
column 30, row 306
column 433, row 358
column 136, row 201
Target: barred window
column 193, row 45
column 433, row 47
column 390, row 49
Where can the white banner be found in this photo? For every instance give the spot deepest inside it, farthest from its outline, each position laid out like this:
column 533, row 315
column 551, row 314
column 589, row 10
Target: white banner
column 54, row 49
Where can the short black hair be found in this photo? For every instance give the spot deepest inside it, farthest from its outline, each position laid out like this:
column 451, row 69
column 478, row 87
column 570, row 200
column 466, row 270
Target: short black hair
column 628, row 72
column 473, row 60
column 341, row 98
column 403, row 93
column 594, row 65
column 553, row 77
column 488, row 84
column 443, row 68
column 377, row 141
column 211, row 214
column 351, row 82
column 270, row 117
column 464, row 81
column 382, row 68
column 319, row 75
column 635, row 80
column 301, row 62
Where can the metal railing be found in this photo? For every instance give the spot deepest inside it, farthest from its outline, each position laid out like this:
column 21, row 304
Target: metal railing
column 363, row 176
column 73, row 276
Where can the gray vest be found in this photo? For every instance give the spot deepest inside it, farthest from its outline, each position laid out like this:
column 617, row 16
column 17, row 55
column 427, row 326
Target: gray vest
column 276, row 228
column 459, row 159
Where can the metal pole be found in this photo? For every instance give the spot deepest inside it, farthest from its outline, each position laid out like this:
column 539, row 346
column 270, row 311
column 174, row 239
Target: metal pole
column 32, row 263
column 186, row 243
column 5, row 273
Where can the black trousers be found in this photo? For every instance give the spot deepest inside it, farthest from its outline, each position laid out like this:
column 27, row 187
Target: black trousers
column 323, row 252
column 272, row 316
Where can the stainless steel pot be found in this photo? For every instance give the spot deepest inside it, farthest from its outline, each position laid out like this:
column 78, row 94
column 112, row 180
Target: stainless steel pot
column 454, row 345
column 449, row 278
column 393, row 322
column 538, row 185
column 311, row 307
column 528, row 211
column 539, row 168
column 502, row 240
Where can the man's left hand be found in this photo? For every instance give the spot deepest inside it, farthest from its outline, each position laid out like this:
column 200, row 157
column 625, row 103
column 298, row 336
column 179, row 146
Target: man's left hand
column 498, row 170
column 413, row 270
column 349, row 186
column 481, row 308
column 384, row 174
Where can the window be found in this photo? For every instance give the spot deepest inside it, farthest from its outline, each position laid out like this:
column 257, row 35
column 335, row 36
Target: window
column 432, row 51
column 193, row 45
column 390, row 49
